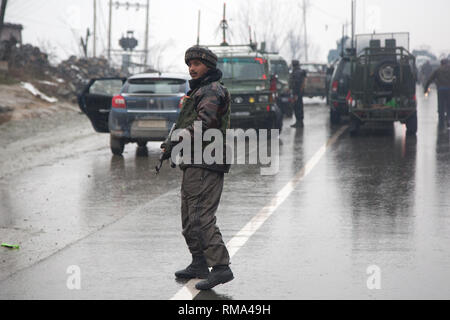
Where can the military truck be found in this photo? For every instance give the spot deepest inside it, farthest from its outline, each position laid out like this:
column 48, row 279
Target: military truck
column 383, row 82
column 246, row 74
column 315, row 84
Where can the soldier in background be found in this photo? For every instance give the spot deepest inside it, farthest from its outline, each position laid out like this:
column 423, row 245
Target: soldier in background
column 441, row 77
column 297, row 86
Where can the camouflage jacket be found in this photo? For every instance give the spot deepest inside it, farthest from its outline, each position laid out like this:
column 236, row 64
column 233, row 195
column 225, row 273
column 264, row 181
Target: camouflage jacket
column 208, row 102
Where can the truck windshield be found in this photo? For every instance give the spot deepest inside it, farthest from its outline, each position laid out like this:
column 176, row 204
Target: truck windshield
column 280, row 68
column 156, row 86
column 242, row 68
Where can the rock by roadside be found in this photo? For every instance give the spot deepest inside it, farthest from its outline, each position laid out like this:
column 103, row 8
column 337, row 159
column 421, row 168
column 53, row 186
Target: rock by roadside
column 29, row 64
column 18, row 104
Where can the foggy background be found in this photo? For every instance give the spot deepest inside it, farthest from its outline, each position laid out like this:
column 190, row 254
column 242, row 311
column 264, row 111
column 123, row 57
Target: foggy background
column 57, row 25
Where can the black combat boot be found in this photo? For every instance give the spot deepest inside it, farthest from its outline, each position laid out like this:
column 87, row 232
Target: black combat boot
column 197, row 269
column 218, row 275
column 298, row 125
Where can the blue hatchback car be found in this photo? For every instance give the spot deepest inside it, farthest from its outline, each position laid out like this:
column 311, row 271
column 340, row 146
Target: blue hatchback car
column 139, row 109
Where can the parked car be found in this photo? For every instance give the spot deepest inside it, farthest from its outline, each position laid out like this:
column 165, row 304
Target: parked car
column 253, row 98
column 315, row 85
column 139, row 109
column 339, row 88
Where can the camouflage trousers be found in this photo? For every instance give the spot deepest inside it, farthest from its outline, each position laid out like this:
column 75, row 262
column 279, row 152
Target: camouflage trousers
column 201, row 190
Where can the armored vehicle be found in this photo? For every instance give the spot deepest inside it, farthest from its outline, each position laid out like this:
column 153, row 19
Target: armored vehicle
column 383, row 82
column 246, row 74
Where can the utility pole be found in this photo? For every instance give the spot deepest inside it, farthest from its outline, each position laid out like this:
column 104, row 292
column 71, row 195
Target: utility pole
column 2, row 14
column 109, row 30
column 146, row 33
column 224, row 26
column 305, row 7
column 353, row 22
column 364, row 16
column 95, row 29
column 198, row 29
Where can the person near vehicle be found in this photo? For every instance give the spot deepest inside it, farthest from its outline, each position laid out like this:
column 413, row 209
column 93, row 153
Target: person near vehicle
column 208, row 102
column 297, row 86
column 441, row 77
column 426, row 72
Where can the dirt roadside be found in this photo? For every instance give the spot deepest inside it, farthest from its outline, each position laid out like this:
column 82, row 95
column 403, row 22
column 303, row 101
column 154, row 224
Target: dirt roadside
column 18, row 104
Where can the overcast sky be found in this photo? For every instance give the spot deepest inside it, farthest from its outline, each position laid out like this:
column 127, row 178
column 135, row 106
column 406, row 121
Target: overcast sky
column 58, row 24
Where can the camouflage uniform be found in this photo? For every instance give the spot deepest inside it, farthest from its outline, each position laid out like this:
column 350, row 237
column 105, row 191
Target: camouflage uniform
column 201, row 189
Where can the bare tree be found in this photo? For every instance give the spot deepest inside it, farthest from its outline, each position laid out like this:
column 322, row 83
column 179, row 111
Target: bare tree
column 156, row 55
column 49, row 49
column 278, row 23
column 295, row 46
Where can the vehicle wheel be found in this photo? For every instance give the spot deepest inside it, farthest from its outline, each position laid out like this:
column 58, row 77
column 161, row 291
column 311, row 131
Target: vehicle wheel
column 117, row 145
column 142, row 144
column 386, row 72
column 355, row 125
column 411, row 125
column 335, row 117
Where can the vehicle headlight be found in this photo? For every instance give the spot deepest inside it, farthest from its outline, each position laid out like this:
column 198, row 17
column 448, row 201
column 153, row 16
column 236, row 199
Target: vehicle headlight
column 238, row 100
column 263, row 99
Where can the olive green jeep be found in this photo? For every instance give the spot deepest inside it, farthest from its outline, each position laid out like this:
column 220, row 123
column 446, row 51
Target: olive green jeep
column 383, row 82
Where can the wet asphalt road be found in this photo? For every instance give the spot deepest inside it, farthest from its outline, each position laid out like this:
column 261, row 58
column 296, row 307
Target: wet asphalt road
column 380, row 199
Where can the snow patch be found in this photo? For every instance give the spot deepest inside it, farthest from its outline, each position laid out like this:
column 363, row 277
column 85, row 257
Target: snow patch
column 29, row 87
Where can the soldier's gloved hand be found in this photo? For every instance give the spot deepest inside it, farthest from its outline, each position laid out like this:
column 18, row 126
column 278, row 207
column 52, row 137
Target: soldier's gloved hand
column 166, row 151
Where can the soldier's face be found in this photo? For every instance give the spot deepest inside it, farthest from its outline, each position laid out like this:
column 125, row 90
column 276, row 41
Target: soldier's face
column 197, row 69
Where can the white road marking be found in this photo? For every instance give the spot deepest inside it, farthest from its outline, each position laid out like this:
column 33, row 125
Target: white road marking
column 188, row 291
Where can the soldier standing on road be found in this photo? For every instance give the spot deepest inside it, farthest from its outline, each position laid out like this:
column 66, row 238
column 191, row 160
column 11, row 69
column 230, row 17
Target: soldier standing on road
column 441, row 77
column 297, row 86
column 208, row 101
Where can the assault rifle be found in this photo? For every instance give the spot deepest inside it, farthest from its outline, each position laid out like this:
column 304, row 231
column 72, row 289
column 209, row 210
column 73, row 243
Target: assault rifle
column 166, row 154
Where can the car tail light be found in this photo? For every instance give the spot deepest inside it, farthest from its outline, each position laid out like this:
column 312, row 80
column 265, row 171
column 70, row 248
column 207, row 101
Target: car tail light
column 335, row 86
column 268, row 108
column 119, row 102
